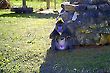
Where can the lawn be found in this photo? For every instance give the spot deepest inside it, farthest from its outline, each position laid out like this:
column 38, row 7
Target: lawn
column 24, row 40
column 35, row 4
column 25, row 48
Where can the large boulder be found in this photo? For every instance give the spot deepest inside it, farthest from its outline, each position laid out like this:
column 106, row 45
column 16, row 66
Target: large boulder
column 105, row 39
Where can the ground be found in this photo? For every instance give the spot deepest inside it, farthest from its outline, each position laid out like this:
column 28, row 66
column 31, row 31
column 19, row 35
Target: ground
column 25, row 48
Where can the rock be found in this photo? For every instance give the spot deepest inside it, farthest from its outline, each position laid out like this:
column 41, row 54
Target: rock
column 88, row 1
column 88, row 38
column 104, row 7
column 66, row 16
column 105, row 39
column 80, row 7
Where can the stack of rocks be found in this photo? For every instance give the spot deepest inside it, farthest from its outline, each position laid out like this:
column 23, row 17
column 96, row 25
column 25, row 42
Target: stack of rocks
column 88, row 20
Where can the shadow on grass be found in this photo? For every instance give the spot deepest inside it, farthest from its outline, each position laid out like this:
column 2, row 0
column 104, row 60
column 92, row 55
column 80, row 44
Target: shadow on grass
column 32, row 15
column 53, row 62
column 58, row 62
column 82, row 60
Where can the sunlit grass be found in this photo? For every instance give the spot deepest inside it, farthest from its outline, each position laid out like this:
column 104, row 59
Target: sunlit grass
column 23, row 43
column 35, row 4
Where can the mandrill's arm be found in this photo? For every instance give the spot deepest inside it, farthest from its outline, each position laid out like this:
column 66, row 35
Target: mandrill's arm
column 54, row 34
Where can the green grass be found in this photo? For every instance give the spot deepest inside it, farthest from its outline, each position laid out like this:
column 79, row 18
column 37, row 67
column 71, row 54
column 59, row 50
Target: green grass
column 23, row 41
column 35, row 4
column 25, row 48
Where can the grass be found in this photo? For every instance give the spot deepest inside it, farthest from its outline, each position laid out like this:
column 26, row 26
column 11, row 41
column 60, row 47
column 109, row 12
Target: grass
column 35, row 4
column 23, row 41
column 25, row 48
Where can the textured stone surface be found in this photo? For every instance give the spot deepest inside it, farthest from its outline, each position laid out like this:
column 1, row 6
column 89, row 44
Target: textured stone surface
column 91, row 22
column 88, row 1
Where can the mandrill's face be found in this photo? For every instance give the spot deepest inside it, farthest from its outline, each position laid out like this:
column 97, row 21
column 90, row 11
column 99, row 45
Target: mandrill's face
column 59, row 28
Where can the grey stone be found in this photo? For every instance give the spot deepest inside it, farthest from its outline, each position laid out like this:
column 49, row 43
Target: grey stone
column 93, row 20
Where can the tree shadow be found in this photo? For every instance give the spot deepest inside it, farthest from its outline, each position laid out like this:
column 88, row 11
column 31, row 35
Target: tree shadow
column 50, row 64
column 31, row 15
column 57, row 62
column 80, row 60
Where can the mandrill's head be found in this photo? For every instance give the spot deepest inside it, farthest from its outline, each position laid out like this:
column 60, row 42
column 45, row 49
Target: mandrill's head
column 59, row 26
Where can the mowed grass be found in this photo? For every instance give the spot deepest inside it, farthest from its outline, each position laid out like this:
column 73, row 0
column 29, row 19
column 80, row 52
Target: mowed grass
column 35, row 4
column 24, row 40
column 25, row 48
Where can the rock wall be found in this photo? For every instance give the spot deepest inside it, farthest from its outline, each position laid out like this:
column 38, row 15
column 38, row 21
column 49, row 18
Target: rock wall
column 89, row 21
